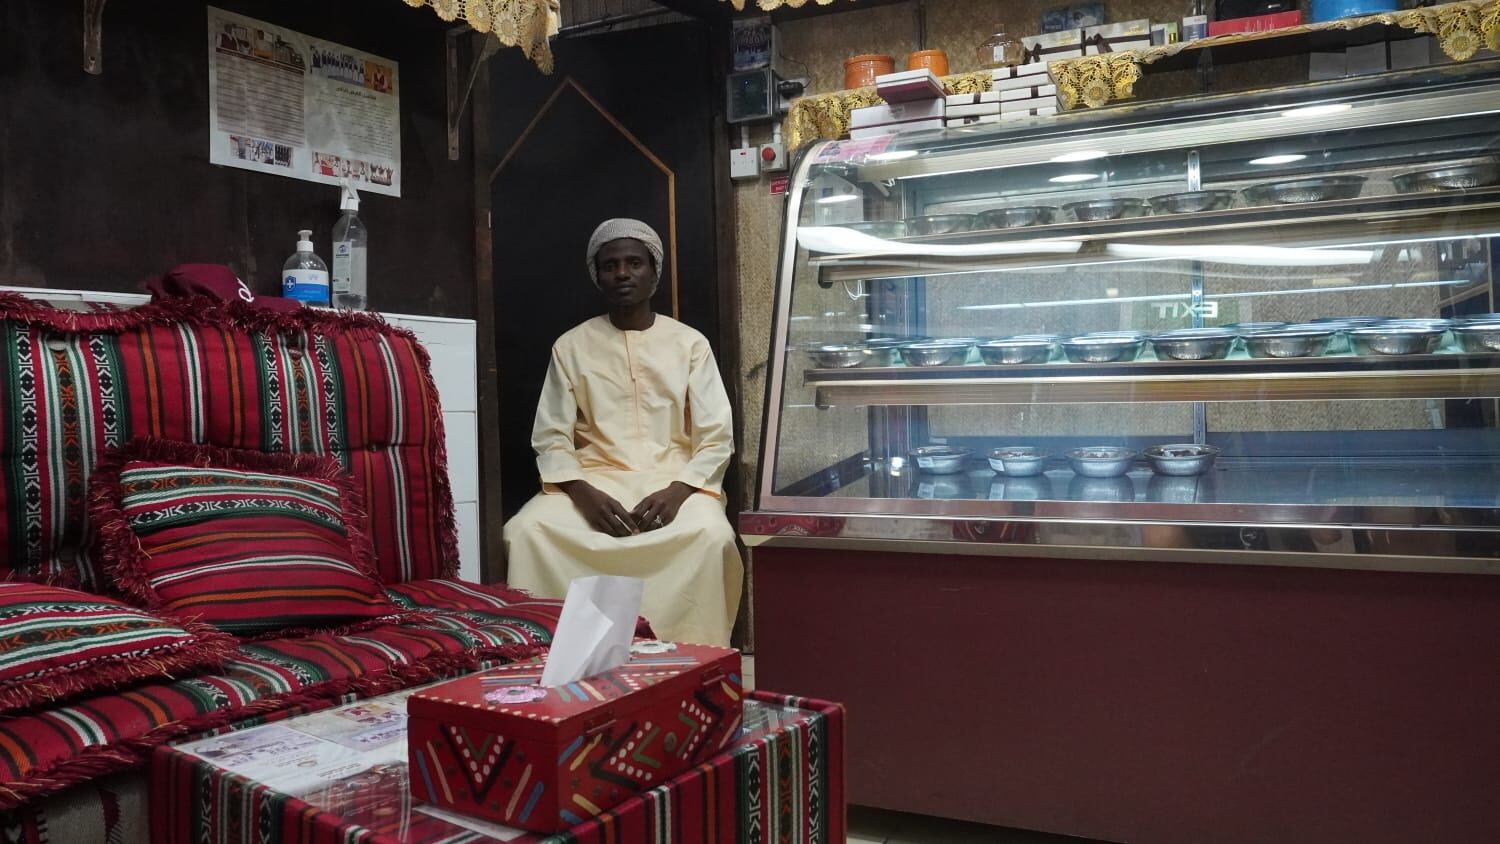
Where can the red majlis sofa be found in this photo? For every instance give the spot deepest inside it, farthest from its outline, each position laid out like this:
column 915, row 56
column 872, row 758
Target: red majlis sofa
column 77, row 385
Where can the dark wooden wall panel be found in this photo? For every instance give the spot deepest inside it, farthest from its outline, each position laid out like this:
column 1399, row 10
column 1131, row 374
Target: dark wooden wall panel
column 105, row 180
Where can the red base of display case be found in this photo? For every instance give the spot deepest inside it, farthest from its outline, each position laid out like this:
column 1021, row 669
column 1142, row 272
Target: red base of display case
column 1149, row 702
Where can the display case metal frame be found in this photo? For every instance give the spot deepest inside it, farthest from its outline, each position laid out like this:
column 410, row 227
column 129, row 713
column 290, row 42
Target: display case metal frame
column 1341, row 536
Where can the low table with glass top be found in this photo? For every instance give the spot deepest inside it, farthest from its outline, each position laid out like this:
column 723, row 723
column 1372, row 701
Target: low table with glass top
column 341, row 775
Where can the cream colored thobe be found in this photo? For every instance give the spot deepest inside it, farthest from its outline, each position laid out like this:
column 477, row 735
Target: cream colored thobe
column 630, row 412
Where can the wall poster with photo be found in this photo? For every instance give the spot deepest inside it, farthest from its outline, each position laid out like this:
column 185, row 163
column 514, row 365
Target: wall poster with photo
column 284, row 103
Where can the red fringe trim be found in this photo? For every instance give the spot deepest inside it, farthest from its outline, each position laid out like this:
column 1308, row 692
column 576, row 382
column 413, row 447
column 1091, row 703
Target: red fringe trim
column 120, row 549
column 441, row 487
column 195, row 310
column 96, row 762
column 208, row 650
column 212, row 312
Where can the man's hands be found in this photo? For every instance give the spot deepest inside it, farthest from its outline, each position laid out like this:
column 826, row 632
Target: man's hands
column 603, row 513
column 607, row 515
column 658, row 509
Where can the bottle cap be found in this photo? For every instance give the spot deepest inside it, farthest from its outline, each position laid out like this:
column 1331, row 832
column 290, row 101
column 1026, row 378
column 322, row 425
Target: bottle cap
column 304, row 240
column 349, row 198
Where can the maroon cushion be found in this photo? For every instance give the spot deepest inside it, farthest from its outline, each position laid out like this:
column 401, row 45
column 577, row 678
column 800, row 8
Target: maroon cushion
column 250, row 543
column 56, row 643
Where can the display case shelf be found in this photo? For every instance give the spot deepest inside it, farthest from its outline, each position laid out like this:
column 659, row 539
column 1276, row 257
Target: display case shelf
column 1341, row 223
column 1330, row 377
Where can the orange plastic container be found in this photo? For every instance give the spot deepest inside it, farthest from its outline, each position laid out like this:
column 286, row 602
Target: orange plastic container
column 934, row 60
column 860, row 71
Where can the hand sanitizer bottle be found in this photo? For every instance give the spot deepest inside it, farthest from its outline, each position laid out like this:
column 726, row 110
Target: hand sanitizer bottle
column 349, row 250
column 305, row 276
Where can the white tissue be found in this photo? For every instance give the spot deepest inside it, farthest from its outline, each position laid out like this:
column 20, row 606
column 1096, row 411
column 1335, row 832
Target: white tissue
column 595, row 628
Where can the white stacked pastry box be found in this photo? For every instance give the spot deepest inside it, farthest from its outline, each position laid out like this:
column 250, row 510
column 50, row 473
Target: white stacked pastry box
column 1024, row 91
column 913, row 102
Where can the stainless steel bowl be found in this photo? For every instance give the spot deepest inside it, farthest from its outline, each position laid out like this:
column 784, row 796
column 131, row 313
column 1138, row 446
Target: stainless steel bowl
column 1094, row 210
column 1395, row 340
column 886, row 229
column 1473, row 318
column 1018, row 217
column 1478, row 337
column 1010, row 351
column 935, row 353
column 1192, row 202
column 1193, row 344
column 1295, row 191
column 1454, row 176
column 1115, row 489
column 940, row 224
column 1355, row 321
column 1243, row 328
column 1018, row 461
column 838, row 356
column 1438, row 323
column 1181, row 459
column 940, row 459
column 1289, row 342
column 882, row 351
column 1101, row 461
column 1102, row 349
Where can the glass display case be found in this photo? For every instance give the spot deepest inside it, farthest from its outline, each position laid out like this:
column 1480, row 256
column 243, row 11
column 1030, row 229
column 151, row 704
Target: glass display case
column 1258, row 322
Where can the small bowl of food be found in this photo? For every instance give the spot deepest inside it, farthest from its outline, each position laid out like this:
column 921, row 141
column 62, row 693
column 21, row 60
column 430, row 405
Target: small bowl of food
column 882, row 351
column 1018, row 217
column 1101, row 461
column 1011, row 351
column 1462, row 175
column 936, row 352
column 1193, row 344
column 1240, row 329
column 940, row 459
column 1018, row 461
column 1289, row 342
column 1098, row 210
column 1192, row 202
column 1181, row 459
column 1298, row 191
column 940, row 224
column 1103, row 348
column 838, row 355
column 1478, row 337
column 1395, row 339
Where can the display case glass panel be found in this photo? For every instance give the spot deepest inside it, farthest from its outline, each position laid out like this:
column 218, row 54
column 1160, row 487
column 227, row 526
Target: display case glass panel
column 1270, row 307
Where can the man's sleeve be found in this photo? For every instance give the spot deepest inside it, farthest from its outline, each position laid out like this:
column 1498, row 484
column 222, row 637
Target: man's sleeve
column 712, row 422
column 552, row 433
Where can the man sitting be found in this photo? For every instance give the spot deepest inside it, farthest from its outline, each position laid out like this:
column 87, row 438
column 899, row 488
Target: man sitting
column 633, row 434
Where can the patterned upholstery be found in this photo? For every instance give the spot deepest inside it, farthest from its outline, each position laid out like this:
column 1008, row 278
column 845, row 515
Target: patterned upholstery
column 249, row 542
column 42, row 753
column 204, row 371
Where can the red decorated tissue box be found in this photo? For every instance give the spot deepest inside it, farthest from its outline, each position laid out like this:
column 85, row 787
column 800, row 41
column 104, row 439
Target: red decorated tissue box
column 497, row 745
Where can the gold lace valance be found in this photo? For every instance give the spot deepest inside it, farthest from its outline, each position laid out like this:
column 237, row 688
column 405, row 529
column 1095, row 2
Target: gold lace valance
column 1461, row 28
column 527, row 24
column 827, row 115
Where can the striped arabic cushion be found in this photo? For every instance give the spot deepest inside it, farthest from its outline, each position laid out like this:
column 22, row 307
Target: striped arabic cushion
column 250, row 543
column 56, row 643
